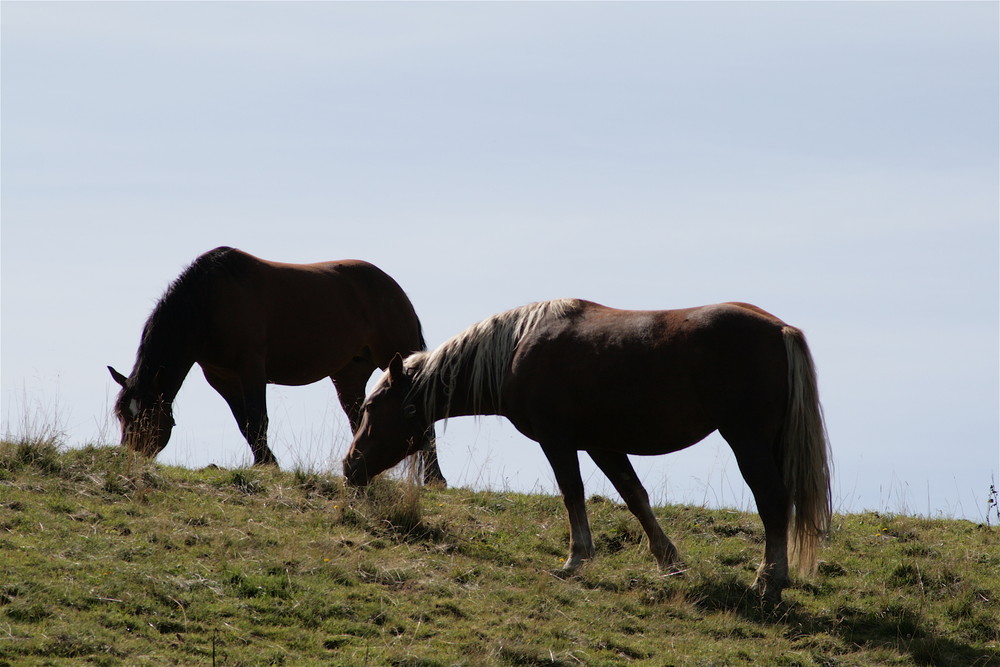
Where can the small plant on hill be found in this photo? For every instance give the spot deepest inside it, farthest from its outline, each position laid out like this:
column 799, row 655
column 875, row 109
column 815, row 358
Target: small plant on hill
column 993, row 505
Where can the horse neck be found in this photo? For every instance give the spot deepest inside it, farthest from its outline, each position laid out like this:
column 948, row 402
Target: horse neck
column 169, row 378
column 465, row 375
column 456, row 391
column 162, row 378
column 162, row 363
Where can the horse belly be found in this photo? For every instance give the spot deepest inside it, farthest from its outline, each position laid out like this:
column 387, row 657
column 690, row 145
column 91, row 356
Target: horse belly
column 647, row 431
column 652, row 435
column 628, row 419
column 305, row 350
column 298, row 366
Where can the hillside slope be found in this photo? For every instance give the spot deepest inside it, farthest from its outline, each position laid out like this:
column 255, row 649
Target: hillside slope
column 108, row 560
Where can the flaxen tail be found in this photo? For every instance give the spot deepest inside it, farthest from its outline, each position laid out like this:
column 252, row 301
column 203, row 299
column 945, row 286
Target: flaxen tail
column 805, row 455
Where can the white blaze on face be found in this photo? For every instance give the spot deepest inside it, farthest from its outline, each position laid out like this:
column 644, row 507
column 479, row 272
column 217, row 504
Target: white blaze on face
column 133, row 407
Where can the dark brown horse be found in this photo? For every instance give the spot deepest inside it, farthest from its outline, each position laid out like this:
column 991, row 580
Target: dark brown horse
column 574, row 375
column 249, row 322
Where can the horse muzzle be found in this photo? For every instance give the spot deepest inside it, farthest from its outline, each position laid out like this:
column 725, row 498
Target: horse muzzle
column 356, row 470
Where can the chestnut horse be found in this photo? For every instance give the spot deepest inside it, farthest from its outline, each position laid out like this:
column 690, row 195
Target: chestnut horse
column 249, row 322
column 574, row 375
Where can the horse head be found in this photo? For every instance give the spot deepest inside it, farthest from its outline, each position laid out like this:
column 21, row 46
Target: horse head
column 391, row 427
column 146, row 418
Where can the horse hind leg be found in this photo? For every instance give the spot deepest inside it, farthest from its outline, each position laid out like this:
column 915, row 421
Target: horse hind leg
column 428, row 460
column 619, row 470
column 760, row 469
column 351, row 382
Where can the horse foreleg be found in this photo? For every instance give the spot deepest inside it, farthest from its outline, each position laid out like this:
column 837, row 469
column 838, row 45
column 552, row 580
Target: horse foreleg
column 619, row 470
column 249, row 407
column 255, row 426
column 566, row 466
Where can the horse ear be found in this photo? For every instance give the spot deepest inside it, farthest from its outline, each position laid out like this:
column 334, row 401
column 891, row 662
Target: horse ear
column 118, row 377
column 396, row 367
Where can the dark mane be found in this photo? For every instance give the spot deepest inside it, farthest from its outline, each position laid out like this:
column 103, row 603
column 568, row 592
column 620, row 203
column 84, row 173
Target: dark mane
column 420, row 335
column 178, row 314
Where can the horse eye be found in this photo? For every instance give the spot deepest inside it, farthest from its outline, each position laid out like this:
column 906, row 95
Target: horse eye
column 409, row 410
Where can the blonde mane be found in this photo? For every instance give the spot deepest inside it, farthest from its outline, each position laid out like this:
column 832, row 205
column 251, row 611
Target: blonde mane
column 485, row 348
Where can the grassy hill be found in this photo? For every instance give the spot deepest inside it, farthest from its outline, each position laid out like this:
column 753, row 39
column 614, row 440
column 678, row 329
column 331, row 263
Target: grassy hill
column 109, row 560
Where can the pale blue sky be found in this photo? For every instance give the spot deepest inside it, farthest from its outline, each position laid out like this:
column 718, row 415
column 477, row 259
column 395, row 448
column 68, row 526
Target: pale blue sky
column 834, row 163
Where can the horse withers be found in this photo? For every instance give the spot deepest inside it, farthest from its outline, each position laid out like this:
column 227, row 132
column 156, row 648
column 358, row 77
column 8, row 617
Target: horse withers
column 575, row 375
column 248, row 322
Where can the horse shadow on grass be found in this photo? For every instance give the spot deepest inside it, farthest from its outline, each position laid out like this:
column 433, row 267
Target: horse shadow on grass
column 893, row 629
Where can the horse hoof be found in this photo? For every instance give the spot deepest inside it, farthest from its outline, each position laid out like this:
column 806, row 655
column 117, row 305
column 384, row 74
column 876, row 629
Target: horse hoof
column 573, row 565
column 768, row 593
column 675, row 569
column 562, row 573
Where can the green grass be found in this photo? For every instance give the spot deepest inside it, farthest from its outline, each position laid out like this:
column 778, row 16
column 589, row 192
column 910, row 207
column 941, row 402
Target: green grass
column 110, row 560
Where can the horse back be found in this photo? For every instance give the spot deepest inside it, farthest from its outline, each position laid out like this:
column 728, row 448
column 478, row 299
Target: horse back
column 653, row 381
column 306, row 321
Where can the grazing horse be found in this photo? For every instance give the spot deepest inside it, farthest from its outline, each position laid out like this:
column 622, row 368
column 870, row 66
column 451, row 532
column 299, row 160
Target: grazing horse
column 575, row 375
column 249, row 322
